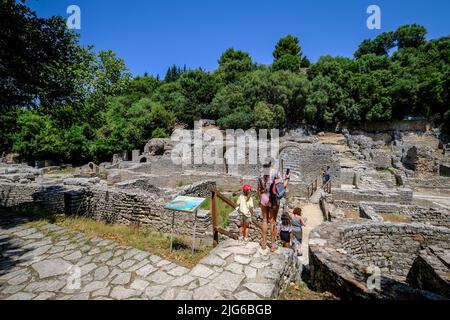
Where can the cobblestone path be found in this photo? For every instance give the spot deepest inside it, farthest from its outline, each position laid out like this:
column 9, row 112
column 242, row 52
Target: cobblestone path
column 50, row 262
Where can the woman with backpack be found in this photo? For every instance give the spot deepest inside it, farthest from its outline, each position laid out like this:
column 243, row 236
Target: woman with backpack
column 271, row 190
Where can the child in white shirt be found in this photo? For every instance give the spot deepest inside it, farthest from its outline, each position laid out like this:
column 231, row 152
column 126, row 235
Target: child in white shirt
column 245, row 209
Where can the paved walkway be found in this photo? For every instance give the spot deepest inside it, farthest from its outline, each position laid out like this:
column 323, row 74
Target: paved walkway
column 52, row 263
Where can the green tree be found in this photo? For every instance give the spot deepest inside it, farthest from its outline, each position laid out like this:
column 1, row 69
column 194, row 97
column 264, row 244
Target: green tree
column 241, row 118
column 268, row 117
column 38, row 138
column 40, row 60
column 233, row 64
column 287, row 54
column 410, row 36
column 379, row 46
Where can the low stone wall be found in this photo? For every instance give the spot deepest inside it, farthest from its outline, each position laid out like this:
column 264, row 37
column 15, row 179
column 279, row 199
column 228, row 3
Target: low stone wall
column 438, row 217
column 342, row 253
column 392, row 247
column 431, row 271
column 367, row 212
column 432, row 182
column 444, row 170
column 400, row 195
column 392, row 126
column 112, row 205
column 32, row 196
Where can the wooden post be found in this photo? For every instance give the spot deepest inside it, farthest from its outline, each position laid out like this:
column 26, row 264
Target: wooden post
column 171, row 232
column 195, row 227
column 214, row 217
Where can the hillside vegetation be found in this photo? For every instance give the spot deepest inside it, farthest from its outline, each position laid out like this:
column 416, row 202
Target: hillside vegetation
column 65, row 102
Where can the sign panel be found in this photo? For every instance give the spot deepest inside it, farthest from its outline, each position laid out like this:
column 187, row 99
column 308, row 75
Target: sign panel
column 183, row 203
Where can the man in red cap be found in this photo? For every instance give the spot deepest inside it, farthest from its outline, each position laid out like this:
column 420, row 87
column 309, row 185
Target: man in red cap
column 245, row 209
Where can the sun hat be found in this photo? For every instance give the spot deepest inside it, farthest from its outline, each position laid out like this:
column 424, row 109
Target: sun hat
column 268, row 161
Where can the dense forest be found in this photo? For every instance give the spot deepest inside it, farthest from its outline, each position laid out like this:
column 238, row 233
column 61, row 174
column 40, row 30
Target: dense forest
column 65, row 102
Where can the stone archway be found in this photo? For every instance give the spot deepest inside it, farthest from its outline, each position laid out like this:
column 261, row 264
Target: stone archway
column 306, row 161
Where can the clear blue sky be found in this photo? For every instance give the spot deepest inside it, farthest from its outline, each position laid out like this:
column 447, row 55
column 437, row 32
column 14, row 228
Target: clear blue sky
column 153, row 35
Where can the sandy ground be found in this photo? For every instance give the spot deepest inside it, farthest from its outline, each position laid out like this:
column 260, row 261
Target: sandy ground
column 314, row 217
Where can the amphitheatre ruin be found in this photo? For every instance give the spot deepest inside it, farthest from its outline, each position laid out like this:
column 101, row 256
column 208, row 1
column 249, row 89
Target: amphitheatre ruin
column 382, row 231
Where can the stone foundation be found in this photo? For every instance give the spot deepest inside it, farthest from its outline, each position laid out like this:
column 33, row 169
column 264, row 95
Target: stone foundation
column 343, row 255
column 126, row 204
column 431, row 271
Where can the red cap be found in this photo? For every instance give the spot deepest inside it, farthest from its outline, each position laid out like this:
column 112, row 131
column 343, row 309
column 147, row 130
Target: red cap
column 246, row 187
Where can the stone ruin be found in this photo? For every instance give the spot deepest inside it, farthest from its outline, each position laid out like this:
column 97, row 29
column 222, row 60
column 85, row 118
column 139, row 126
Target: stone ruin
column 385, row 230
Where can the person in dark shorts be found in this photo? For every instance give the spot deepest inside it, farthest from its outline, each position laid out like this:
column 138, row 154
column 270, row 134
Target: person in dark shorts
column 286, row 230
column 269, row 206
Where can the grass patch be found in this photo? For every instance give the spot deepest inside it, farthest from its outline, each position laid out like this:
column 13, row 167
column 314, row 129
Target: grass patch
column 392, row 217
column 223, row 208
column 182, row 183
column 62, row 171
column 387, row 170
column 300, row 291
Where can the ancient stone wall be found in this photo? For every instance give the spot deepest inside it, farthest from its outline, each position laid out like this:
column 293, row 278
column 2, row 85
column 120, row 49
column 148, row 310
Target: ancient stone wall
column 391, row 126
column 392, row 247
column 400, row 195
column 306, row 161
column 367, row 212
column 32, row 196
column 110, row 204
column 413, row 213
column 343, row 255
column 431, row 271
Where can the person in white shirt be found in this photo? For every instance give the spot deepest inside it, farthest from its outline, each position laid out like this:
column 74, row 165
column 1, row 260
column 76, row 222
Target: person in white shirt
column 245, row 209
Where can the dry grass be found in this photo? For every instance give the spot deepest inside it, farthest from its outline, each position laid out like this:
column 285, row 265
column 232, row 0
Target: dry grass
column 300, row 291
column 153, row 242
column 393, row 217
column 61, row 171
column 351, row 214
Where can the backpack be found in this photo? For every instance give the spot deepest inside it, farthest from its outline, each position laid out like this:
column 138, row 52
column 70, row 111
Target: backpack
column 277, row 189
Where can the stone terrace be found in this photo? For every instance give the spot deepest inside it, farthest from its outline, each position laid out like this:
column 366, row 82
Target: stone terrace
column 48, row 263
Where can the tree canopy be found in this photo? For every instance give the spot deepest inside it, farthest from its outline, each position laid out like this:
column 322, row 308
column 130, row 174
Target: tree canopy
column 62, row 101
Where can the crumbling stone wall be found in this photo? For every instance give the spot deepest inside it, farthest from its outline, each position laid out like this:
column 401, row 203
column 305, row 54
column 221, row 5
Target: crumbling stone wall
column 399, row 195
column 306, row 161
column 342, row 255
column 110, row 204
column 375, row 210
column 32, row 196
column 392, row 247
column 431, row 271
column 367, row 212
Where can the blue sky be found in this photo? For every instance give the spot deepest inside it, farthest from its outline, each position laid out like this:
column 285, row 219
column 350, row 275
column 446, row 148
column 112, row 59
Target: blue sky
column 153, row 35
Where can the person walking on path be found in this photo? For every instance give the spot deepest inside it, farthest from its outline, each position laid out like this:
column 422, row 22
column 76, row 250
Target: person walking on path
column 298, row 222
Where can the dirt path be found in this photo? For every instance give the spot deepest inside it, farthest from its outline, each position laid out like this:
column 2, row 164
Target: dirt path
column 314, row 217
